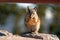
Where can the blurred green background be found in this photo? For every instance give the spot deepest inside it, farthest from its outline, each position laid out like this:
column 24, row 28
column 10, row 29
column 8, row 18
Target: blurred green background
column 12, row 17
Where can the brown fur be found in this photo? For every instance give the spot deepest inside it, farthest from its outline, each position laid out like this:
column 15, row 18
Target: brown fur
column 30, row 23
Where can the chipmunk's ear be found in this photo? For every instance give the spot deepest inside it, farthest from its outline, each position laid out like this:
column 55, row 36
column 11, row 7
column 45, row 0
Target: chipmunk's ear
column 35, row 8
column 27, row 9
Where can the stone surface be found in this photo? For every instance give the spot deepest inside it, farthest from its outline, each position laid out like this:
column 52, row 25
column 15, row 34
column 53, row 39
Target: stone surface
column 5, row 35
column 41, row 36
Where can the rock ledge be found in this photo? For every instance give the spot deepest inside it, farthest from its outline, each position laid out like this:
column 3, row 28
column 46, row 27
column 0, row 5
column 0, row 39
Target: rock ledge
column 5, row 35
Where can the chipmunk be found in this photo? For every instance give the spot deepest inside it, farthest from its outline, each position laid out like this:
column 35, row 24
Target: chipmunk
column 32, row 21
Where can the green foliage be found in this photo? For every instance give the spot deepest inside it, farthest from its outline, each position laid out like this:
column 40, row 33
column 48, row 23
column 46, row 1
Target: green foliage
column 41, row 10
column 3, row 13
column 6, row 9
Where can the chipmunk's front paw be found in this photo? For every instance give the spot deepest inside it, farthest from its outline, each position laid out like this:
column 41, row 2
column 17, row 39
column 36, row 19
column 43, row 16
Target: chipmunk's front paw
column 35, row 33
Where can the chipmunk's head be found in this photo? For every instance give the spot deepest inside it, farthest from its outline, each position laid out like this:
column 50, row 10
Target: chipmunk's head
column 31, row 10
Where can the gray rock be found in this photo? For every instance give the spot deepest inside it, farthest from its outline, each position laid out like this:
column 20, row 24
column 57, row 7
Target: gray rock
column 5, row 35
column 41, row 36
